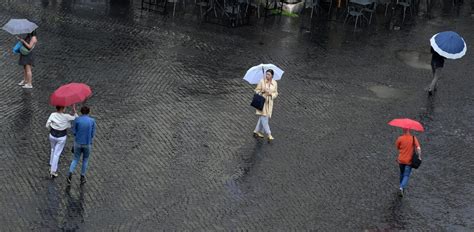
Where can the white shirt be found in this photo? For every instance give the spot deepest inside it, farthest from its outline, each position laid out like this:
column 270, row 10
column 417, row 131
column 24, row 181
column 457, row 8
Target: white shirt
column 60, row 121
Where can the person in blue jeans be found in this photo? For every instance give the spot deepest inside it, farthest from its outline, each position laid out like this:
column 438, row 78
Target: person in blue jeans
column 406, row 144
column 84, row 130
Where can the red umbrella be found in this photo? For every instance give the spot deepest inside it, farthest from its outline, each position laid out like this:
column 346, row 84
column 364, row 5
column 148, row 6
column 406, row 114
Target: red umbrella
column 69, row 94
column 406, row 123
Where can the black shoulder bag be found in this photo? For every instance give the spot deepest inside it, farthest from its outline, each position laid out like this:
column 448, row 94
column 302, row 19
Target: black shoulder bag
column 415, row 160
column 258, row 101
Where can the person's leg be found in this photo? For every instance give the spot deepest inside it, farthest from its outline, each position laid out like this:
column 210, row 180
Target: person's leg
column 58, row 149
column 257, row 132
column 402, row 170
column 266, row 126
column 25, row 74
column 259, row 124
column 76, row 158
column 52, row 141
column 436, row 76
column 28, row 74
column 23, row 81
column 406, row 176
column 85, row 159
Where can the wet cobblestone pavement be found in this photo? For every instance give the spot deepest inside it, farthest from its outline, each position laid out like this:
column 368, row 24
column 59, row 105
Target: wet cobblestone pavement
column 174, row 150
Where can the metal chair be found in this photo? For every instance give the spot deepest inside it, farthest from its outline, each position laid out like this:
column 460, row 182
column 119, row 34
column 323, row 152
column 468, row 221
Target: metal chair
column 316, row 5
column 256, row 4
column 405, row 4
column 387, row 4
column 176, row 2
column 273, row 5
column 371, row 9
column 201, row 4
column 354, row 12
column 233, row 12
column 313, row 4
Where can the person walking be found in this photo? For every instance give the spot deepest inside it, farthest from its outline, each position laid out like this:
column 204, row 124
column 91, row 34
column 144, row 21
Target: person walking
column 268, row 88
column 58, row 123
column 84, row 131
column 405, row 145
column 27, row 61
column 437, row 64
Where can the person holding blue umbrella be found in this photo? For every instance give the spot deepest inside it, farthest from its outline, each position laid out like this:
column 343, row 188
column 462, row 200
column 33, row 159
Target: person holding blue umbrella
column 24, row 46
column 447, row 44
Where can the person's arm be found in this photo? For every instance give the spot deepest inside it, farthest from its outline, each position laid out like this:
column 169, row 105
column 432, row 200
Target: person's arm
column 74, row 111
column 74, row 127
column 418, row 148
column 259, row 88
column 29, row 45
column 397, row 144
column 93, row 129
column 70, row 117
column 274, row 94
column 48, row 123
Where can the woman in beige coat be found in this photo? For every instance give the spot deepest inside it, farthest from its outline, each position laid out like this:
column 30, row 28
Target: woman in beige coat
column 268, row 88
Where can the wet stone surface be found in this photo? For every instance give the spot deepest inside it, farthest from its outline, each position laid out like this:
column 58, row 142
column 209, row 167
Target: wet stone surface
column 174, row 147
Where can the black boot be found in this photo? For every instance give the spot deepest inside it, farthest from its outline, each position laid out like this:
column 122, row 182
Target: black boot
column 83, row 179
column 69, row 178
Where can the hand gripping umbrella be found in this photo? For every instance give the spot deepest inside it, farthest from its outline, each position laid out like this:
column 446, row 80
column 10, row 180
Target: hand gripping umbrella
column 70, row 94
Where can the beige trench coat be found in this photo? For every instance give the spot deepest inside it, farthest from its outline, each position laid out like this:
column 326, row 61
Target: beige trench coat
column 272, row 89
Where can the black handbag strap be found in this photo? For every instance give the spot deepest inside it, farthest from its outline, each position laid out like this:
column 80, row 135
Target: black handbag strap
column 414, row 145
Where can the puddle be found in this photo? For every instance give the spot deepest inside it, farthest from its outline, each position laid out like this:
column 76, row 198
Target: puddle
column 386, row 92
column 415, row 59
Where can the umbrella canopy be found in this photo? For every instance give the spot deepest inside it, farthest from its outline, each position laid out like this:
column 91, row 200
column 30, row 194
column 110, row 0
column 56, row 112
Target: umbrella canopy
column 19, row 26
column 449, row 44
column 406, row 123
column 256, row 73
column 70, row 94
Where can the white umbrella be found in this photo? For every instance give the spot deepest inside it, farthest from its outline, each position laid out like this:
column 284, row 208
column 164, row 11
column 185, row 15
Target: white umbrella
column 256, row 73
column 19, row 26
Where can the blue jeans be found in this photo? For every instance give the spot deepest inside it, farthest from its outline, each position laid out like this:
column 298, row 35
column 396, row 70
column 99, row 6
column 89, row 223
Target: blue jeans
column 85, row 150
column 262, row 124
column 405, row 171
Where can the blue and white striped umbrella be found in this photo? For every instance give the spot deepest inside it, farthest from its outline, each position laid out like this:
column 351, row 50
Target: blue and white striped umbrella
column 449, row 44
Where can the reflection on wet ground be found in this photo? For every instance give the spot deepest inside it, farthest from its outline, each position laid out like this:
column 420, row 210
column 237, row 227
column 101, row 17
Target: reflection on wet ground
column 415, row 59
column 386, row 92
column 174, row 147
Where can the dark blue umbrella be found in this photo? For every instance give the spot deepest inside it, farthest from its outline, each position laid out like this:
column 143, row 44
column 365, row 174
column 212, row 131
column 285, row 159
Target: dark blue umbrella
column 449, row 44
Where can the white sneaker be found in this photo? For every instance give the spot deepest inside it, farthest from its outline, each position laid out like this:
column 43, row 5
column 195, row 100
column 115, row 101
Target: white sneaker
column 27, row 86
column 21, row 83
column 401, row 192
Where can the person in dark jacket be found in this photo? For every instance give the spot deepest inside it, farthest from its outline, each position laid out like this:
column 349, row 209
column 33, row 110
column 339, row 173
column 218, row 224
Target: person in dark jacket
column 437, row 64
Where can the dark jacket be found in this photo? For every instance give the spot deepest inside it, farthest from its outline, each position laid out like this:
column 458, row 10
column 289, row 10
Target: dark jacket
column 437, row 61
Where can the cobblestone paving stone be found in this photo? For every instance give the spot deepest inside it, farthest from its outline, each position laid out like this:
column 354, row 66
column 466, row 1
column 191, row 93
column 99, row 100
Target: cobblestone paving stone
column 174, row 149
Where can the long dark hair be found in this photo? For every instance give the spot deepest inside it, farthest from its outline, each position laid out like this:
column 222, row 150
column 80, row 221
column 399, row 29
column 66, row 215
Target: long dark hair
column 270, row 71
column 31, row 34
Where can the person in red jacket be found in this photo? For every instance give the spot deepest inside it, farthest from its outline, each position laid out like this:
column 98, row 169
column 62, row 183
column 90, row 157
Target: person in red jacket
column 405, row 147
